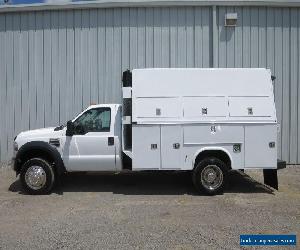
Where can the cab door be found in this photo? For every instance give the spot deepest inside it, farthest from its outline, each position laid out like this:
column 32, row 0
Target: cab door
column 92, row 147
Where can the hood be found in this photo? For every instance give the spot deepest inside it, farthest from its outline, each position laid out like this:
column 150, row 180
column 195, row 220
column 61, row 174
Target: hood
column 38, row 133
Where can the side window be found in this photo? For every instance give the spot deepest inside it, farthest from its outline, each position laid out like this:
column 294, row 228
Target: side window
column 93, row 120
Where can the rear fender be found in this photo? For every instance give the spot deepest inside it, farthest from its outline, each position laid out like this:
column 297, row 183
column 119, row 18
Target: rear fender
column 211, row 148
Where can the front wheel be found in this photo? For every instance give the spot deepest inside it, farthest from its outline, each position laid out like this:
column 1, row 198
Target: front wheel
column 210, row 176
column 37, row 176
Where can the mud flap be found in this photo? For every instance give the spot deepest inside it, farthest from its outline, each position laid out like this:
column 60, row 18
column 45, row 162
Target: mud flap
column 271, row 178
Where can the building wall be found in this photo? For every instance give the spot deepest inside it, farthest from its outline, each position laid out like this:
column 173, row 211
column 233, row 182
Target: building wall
column 55, row 63
column 268, row 37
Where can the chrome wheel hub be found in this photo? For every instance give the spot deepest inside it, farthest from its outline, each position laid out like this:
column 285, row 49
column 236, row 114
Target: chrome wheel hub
column 35, row 177
column 211, row 177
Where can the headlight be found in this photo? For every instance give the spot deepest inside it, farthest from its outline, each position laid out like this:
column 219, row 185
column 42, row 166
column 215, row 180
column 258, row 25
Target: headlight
column 15, row 146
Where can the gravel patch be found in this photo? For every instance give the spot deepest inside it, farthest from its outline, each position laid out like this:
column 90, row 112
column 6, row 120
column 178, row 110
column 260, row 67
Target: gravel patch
column 146, row 211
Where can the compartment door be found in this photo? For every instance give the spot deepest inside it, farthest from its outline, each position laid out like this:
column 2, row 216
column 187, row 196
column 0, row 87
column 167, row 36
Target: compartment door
column 171, row 147
column 258, row 151
column 205, row 106
column 158, row 107
column 250, row 107
column 146, row 147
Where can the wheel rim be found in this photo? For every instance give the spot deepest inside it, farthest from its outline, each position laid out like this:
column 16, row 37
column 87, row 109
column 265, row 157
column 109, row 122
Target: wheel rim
column 211, row 177
column 35, row 177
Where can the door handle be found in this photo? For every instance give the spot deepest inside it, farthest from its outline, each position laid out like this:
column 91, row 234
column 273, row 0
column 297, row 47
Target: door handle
column 176, row 145
column 111, row 141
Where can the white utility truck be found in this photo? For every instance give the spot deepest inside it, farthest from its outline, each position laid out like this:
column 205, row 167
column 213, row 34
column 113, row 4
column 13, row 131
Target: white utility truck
column 207, row 121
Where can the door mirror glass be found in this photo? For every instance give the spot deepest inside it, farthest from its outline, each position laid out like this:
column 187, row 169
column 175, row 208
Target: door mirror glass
column 70, row 128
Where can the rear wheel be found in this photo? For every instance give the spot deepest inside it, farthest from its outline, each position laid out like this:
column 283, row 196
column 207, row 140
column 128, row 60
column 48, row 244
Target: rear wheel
column 37, row 176
column 210, row 176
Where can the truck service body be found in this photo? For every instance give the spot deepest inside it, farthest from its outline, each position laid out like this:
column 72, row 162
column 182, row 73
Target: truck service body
column 208, row 121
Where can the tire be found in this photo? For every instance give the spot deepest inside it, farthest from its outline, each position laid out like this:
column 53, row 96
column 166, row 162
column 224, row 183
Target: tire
column 37, row 176
column 210, row 176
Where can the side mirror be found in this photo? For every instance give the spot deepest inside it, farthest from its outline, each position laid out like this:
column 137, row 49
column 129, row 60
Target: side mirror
column 70, row 129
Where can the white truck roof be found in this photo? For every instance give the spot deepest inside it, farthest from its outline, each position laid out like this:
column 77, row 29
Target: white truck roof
column 202, row 95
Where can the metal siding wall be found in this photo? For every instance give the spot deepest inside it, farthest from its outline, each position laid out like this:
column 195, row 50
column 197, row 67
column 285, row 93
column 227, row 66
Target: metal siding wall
column 55, row 63
column 268, row 37
column 3, row 91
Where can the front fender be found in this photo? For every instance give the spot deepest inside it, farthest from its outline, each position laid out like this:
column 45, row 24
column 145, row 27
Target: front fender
column 39, row 146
